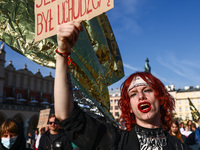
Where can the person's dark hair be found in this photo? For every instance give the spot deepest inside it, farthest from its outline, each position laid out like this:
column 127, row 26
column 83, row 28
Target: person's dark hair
column 52, row 115
column 178, row 134
column 189, row 122
column 193, row 125
column 167, row 102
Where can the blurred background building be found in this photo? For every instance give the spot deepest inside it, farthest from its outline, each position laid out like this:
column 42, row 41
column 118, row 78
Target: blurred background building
column 23, row 94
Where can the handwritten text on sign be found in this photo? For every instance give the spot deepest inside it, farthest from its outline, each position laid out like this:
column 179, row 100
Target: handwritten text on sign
column 50, row 13
column 43, row 118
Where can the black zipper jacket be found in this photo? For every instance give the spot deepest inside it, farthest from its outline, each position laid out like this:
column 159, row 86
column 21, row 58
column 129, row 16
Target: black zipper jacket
column 60, row 143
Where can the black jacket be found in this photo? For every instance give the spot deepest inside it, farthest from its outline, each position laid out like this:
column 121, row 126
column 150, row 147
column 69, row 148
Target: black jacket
column 192, row 139
column 20, row 143
column 89, row 134
column 60, row 143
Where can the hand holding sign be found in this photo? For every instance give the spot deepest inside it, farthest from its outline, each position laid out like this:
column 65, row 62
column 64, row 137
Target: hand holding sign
column 51, row 13
column 43, row 118
column 67, row 35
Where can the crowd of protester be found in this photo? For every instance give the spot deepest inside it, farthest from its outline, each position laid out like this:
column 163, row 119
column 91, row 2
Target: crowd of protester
column 188, row 133
column 48, row 136
column 51, row 137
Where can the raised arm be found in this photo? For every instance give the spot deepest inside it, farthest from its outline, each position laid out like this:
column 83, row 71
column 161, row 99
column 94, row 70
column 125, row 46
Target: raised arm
column 67, row 35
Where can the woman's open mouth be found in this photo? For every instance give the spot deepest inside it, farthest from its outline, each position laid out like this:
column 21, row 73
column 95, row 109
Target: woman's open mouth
column 144, row 107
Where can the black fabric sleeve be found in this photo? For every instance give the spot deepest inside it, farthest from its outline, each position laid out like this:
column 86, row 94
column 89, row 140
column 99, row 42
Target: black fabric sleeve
column 41, row 142
column 88, row 133
column 174, row 143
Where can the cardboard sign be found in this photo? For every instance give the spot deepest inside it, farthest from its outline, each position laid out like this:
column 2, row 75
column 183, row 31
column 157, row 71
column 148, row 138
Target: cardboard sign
column 43, row 118
column 50, row 13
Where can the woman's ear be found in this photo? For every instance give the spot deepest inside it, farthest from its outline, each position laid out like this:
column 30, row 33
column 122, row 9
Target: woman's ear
column 131, row 110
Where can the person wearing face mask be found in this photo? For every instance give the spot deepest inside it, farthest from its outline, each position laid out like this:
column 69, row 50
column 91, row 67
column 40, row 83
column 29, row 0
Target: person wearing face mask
column 12, row 136
column 145, row 104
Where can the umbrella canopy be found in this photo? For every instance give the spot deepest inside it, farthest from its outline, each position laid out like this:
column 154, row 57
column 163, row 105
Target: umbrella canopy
column 10, row 98
column 45, row 103
column 34, row 101
column 21, row 100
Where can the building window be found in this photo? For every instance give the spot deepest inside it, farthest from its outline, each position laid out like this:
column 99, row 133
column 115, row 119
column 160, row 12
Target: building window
column 14, row 80
column 181, row 118
column 35, row 83
column 198, row 107
column 186, row 108
column 187, row 117
column 47, row 87
column 19, row 96
column 180, row 109
column 111, row 108
column 6, row 79
column 116, row 94
column 198, row 100
column 116, row 107
column 186, row 101
column 116, row 101
column 117, row 114
column 179, row 101
column 21, row 81
column 111, row 101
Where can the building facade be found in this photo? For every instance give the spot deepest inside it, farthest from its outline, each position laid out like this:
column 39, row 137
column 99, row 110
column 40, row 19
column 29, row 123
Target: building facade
column 23, row 94
column 182, row 109
column 114, row 98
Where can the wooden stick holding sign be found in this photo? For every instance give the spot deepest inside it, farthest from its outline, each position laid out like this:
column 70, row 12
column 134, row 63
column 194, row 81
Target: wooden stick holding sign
column 50, row 13
column 43, row 118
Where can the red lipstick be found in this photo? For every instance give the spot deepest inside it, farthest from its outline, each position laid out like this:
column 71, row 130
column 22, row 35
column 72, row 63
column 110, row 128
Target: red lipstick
column 144, row 107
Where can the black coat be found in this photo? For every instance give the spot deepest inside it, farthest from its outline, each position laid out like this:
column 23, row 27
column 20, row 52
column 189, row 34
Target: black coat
column 60, row 143
column 89, row 134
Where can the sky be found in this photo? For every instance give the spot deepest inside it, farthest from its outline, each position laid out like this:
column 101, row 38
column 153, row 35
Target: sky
column 167, row 32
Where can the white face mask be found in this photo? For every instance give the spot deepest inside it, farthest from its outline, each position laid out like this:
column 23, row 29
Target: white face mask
column 8, row 142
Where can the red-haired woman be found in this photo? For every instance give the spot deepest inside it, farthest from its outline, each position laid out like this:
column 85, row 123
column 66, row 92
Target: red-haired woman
column 145, row 104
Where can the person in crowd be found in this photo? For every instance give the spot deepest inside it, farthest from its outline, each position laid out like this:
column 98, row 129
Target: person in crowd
column 193, row 127
column 175, row 130
column 35, row 138
column 12, row 136
column 192, row 139
column 187, row 132
column 41, row 131
column 29, row 141
column 189, row 123
column 182, row 128
column 145, row 104
column 198, row 131
column 54, row 138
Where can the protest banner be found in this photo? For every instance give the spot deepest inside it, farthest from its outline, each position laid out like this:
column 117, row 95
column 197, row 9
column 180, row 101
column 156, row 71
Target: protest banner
column 43, row 118
column 50, row 13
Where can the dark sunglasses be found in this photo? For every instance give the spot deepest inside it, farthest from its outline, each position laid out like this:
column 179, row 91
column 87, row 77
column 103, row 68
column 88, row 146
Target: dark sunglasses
column 52, row 123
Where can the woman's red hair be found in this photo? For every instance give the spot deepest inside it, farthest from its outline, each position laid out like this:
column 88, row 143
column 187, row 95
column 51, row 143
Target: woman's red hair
column 167, row 102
